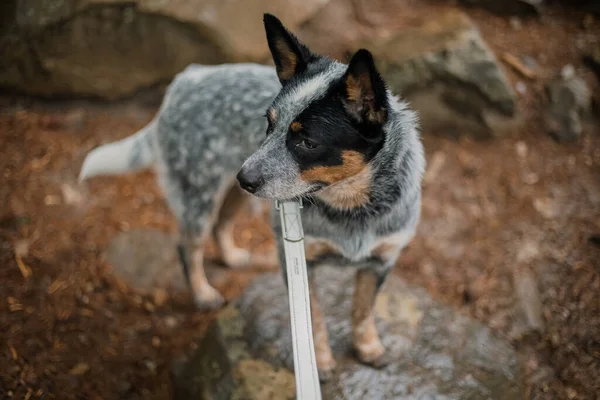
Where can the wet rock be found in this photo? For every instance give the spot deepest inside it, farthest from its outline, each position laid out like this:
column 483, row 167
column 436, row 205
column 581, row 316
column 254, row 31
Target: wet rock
column 449, row 74
column 508, row 7
column 569, row 102
column 438, row 353
column 110, row 49
column 342, row 25
column 146, row 259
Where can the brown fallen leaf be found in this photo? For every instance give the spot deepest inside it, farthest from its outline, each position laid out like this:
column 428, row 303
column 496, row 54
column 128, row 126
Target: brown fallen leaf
column 21, row 250
column 54, row 286
column 79, row 369
column 13, row 352
column 149, row 306
column 518, row 66
column 86, row 312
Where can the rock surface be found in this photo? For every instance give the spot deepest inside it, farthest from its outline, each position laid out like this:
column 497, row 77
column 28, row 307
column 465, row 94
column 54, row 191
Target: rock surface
column 440, row 354
column 111, row 48
column 146, row 259
column 451, row 77
column 569, row 104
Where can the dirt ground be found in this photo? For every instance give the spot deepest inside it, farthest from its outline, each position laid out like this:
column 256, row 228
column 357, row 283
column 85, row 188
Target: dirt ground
column 510, row 234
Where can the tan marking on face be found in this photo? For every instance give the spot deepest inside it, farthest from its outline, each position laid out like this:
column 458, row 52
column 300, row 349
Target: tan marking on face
column 288, row 60
column 364, row 333
column 296, row 126
column 323, row 354
column 316, row 249
column 352, row 163
column 348, row 193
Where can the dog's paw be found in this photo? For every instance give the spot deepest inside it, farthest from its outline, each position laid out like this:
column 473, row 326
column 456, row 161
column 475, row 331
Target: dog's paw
column 379, row 362
column 209, row 299
column 325, row 369
column 373, row 354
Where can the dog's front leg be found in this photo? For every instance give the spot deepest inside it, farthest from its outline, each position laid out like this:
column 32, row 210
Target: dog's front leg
column 325, row 360
column 364, row 333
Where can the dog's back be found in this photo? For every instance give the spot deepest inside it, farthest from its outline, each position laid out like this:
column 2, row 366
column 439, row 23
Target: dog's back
column 210, row 115
column 212, row 118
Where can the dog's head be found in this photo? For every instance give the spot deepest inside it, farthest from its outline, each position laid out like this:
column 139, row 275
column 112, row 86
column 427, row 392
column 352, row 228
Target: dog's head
column 324, row 126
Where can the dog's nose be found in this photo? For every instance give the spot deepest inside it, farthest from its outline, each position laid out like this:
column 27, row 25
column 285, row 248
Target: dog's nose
column 250, row 180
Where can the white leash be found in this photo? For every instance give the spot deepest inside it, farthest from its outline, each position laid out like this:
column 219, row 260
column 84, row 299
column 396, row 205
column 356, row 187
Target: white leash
column 305, row 367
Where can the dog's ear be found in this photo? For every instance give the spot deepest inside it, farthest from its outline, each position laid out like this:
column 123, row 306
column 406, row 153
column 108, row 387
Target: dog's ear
column 364, row 91
column 290, row 56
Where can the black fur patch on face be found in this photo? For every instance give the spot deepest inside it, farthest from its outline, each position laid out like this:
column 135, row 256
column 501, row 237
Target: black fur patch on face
column 330, row 133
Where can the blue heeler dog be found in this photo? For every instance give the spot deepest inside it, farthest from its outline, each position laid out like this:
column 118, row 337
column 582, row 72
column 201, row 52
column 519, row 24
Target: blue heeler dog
column 335, row 137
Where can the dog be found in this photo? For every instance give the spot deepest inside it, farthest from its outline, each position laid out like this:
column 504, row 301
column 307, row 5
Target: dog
column 311, row 128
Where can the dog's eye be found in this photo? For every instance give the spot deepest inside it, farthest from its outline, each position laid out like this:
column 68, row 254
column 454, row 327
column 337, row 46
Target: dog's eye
column 307, row 144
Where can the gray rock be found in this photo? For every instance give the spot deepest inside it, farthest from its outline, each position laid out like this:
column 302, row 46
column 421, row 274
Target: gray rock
column 112, row 48
column 146, row 259
column 570, row 102
column 449, row 74
column 439, row 353
column 508, row 7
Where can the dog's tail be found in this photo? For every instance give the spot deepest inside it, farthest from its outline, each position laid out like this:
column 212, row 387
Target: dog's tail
column 130, row 154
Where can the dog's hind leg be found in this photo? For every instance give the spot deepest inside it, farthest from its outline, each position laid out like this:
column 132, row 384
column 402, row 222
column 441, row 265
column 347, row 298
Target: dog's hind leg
column 191, row 252
column 196, row 209
column 231, row 254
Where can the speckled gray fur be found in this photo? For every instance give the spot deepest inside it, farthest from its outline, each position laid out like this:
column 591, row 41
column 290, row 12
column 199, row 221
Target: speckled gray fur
column 212, row 120
column 211, row 124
